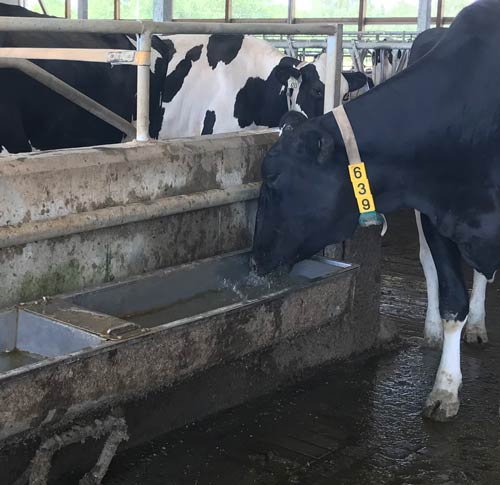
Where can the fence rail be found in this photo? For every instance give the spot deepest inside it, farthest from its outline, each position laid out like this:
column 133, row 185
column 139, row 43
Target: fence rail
column 144, row 30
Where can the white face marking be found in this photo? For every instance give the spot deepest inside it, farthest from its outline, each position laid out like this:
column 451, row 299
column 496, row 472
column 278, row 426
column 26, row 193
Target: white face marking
column 433, row 331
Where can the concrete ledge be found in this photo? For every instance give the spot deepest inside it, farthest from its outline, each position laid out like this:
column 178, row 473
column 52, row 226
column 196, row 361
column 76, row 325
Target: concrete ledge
column 48, row 185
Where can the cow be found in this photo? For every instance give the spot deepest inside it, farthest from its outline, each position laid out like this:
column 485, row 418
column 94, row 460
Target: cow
column 475, row 329
column 33, row 116
column 429, row 139
column 220, row 83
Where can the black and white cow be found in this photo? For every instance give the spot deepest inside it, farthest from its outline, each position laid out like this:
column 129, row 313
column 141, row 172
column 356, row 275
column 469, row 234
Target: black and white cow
column 442, row 118
column 33, row 116
column 431, row 241
column 221, row 83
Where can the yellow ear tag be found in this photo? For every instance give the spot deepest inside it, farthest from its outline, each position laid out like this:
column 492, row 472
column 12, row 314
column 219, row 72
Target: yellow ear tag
column 361, row 186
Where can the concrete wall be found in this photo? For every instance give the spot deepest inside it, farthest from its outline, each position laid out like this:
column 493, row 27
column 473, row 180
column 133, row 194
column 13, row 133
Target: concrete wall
column 44, row 186
column 49, row 185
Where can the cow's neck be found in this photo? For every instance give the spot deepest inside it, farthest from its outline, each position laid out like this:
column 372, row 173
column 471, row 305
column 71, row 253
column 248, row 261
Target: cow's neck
column 400, row 143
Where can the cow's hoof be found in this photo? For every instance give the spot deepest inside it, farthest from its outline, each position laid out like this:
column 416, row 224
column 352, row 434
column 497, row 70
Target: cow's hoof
column 475, row 334
column 441, row 406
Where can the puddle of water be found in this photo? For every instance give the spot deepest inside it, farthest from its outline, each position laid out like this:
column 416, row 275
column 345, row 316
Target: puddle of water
column 17, row 358
column 229, row 292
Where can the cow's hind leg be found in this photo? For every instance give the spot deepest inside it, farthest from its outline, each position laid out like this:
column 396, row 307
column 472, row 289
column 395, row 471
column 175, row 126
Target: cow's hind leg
column 475, row 329
column 443, row 402
column 433, row 330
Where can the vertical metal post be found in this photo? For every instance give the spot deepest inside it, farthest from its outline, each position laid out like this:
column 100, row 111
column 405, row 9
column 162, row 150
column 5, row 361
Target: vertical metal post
column 228, row 10
column 334, row 59
column 424, row 15
column 83, row 9
column 163, row 10
column 144, row 54
column 362, row 15
column 67, row 9
column 116, row 10
column 291, row 11
column 440, row 10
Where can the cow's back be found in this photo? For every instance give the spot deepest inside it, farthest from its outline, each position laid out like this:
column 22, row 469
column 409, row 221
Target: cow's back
column 204, row 78
column 47, row 119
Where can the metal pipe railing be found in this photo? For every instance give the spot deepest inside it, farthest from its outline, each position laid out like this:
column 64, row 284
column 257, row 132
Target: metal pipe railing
column 145, row 29
column 24, row 24
column 124, row 214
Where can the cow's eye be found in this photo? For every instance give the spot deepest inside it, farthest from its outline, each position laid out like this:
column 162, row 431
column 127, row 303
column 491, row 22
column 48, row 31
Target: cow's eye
column 346, row 97
column 272, row 179
column 318, row 92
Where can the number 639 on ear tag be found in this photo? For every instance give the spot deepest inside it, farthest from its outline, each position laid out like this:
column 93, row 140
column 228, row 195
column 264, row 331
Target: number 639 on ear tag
column 361, row 186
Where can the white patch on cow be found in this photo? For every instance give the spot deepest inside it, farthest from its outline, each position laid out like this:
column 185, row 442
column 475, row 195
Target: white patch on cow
column 433, row 330
column 216, row 89
column 475, row 330
column 443, row 402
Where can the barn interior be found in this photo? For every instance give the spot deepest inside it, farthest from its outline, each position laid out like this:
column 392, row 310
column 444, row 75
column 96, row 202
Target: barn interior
column 137, row 345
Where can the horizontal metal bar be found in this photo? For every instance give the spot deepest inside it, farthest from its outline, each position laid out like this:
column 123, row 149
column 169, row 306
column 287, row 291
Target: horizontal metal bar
column 70, row 93
column 124, row 214
column 29, row 24
column 321, row 44
column 112, row 56
column 17, row 24
column 321, row 28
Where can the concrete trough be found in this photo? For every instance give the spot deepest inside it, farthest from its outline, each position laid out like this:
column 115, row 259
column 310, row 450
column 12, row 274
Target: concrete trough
column 133, row 332
column 93, row 350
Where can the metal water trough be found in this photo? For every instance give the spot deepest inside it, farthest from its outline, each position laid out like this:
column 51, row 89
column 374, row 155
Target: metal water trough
column 68, row 356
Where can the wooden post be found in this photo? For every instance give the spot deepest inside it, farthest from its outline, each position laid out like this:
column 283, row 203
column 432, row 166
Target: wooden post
column 67, row 9
column 116, row 10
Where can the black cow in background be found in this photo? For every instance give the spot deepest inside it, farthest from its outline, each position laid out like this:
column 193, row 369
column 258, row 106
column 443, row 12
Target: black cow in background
column 33, row 116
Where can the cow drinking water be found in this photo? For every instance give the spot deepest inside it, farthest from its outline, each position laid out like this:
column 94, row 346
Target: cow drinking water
column 429, row 139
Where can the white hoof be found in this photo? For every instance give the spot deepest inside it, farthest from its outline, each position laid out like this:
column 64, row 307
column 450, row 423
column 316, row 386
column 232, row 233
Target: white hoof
column 441, row 406
column 475, row 333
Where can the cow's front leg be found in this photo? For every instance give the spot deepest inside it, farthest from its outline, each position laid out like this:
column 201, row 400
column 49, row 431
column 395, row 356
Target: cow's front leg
column 433, row 330
column 443, row 402
column 475, row 329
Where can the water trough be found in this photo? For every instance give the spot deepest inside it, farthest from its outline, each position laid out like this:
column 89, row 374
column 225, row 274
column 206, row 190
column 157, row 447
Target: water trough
column 135, row 329
column 73, row 355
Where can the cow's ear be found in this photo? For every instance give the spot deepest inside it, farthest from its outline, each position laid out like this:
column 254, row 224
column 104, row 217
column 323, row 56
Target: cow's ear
column 284, row 73
column 319, row 146
column 355, row 80
column 290, row 120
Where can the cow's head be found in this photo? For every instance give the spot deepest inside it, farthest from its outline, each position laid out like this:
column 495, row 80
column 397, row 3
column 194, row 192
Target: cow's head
column 306, row 200
column 305, row 83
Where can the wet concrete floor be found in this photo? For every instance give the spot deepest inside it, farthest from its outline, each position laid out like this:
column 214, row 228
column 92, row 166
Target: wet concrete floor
column 354, row 423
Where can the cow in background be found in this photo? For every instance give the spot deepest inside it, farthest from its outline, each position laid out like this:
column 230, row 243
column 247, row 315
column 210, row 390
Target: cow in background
column 221, row 83
column 33, row 116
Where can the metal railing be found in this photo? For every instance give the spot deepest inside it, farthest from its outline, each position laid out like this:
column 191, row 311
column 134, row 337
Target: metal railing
column 144, row 30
